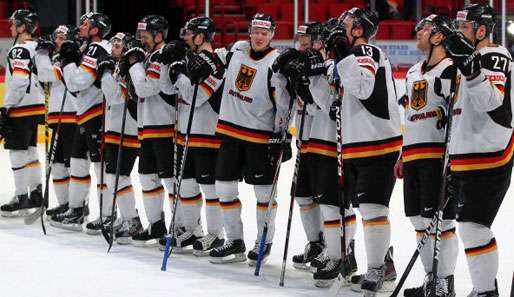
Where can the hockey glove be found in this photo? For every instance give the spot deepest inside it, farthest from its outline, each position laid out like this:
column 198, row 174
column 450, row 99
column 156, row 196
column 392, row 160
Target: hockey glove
column 106, row 63
column 70, row 53
column 315, row 62
column 442, row 118
column 202, row 65
column 334, row 108
column 275, row 145
column 285, row 57
column 301, row 86
column 338, row 46
column 45, row 43
column 404, row 101
column 464, row 54
column 175, row 69
column 173, row 51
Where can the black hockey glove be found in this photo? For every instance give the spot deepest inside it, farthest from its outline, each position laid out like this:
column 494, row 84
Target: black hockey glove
column 175, row 69
column 337, row 45
column 202, row 65
column 70, row 52
column 173, row 51
column 442, row 118
column 404, row 101
column 334, row 109
column 106, row 63
column 294, row 69
column 45, row 43
column 463, row 54
column 285, row 57
column 301, row 86
column 314, row 62
column 275, row 145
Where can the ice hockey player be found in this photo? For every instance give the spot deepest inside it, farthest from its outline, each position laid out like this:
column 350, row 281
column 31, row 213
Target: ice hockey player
column 371, row 149
column 254, row 109
column 49, row 70
column 200, row 163
column 155, row 117
column 116, row 95
column 79, row 72
column 481, row 143
column 429, row 90
column 23, row 110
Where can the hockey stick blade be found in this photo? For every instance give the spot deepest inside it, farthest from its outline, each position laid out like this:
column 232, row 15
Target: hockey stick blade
column 166, row 255
column 32, row 218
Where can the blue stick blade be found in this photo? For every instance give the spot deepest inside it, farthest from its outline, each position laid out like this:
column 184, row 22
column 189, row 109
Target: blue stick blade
column 166, row 254
column 261, row 251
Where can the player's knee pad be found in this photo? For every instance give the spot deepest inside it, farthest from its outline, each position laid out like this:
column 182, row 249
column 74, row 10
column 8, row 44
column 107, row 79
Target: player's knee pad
column 304, row 201
column 227, row 190
column 149, row 181
column 418, row 222
column 79, row 167
column 59, row 171
column 447, row 225
column 189, row 188
column 330, row 212
column 209, row 191
column 473, row 234
column 33, row 154
column 98, row 171
column 19, row 158
column 168, row 183
column 371, row 211
column 263, row 193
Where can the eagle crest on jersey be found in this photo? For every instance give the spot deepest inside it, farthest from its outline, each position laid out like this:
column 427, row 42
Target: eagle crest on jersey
column 419, row 94
column 245, row 78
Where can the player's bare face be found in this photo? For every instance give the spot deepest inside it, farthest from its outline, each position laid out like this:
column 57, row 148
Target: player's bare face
column 348, row 24
column 84, row 29
column 58, row 40
column 12, row 28
column 147, row 40
column 188, row 38
column 260, row 39
column 423, row 37
column 117, row 49
column 304, row 42
column 466, row 28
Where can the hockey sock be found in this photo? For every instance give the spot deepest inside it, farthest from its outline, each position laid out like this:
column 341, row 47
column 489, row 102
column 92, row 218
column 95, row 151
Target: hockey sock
column 61, row 181
column 213, row 214
column 377, row 232
column 19, row 160
column 179, row 216
column 332, row 224
column 125, row 196
column 481, row 254
column 263, row 195
column 449, row 248
column 191, row 201
column 80, row 181
column 350, row 225
column 426, row 253
column 34, row 168
column 153, row 196
column 231, row 209
column 310, row 216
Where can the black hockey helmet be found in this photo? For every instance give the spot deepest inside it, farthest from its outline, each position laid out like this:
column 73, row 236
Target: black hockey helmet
column 365, row 18
column 25, row 17
column 440, row 24
column 478, row 14
column 153, row 24
column 98, row 20
column 312, row 29
column 70, row 32
column 331, row 25
column 200, row 24
column 262, row 20
column 126, row 39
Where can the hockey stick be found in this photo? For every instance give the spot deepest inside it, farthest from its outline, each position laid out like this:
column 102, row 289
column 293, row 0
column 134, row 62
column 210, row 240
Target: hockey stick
column 283, row 143
column 167, row 250
column 102, row 173
column 119, row 158
column 293, row 195
column 444, row 198
column 512, row 287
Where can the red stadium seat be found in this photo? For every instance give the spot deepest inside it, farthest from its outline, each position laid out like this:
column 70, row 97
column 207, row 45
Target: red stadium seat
column 284, row 30
column 402, row 30
column 317, row 12
column 335, row 10
column 384, row 30
column 271, row 9
column 287, row 12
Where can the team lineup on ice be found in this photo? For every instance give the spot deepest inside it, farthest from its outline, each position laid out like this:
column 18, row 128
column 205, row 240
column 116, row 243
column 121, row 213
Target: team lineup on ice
column 181, row 139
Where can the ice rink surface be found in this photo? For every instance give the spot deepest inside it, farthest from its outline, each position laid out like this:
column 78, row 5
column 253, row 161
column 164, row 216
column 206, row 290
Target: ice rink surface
column 75, row 264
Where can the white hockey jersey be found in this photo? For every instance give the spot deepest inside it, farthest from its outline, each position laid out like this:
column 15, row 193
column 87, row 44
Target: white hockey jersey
column 428, row 90
column 155, row 116
column 83, row 81
column 482, row 133
column 298, row 111
column 115, row 92
column 22, row 95
column 370, row 115
column 255, row 102
column 49, row 71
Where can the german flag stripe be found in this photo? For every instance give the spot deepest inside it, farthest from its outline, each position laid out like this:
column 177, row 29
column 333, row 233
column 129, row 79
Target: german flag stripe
column 20, row 71
column 380, row 221
column 153, row 192
column 264, row 206
column 445, row 235
column 332, row 224
column 156, row 132
column 61, row 181
column 191, row 200
column 81, row 180
column 57, row 73
column 207, row 89
column 231, row 204
column 125, row 190
column 480, row 250
column 350, row 220
column 372, row 148
column 152, row 74
column 128, row 140
column 33, row 164
column 323, row 148
column 469, row 162
column 422, row 151
column 91, row 113
column 205, row 141
column 101, row 187
column 212, row 202
column 304, row 148
column 89, row 70
column 26, row 111
column 308, row 206
column 66, row 118
column 242, row 133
